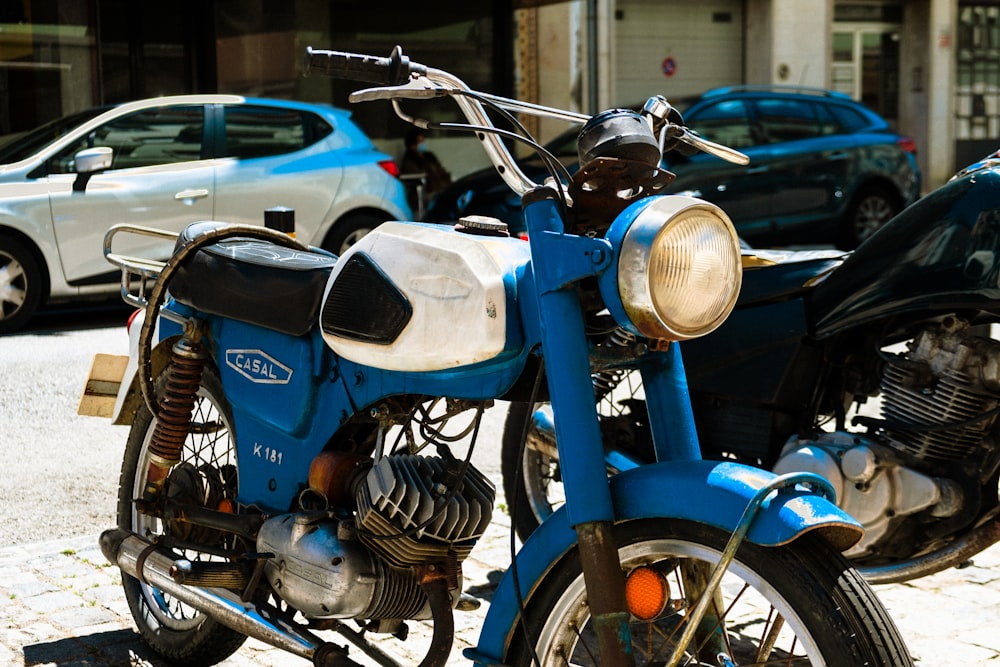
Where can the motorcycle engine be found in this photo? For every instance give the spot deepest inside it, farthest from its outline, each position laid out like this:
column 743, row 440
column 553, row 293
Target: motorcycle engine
column 937, row 409
column 411, row 510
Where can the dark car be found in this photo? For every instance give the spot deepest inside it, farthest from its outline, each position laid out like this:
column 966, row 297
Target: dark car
column 823, row 168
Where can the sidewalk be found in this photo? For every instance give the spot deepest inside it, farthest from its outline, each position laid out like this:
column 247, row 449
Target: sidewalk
column 62, row 605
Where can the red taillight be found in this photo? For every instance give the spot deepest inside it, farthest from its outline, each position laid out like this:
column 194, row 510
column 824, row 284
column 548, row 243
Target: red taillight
column 907, row 144
column 391, row 167
column 131, row 319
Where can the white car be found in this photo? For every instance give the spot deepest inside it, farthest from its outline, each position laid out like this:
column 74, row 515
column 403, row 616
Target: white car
column 173, row 161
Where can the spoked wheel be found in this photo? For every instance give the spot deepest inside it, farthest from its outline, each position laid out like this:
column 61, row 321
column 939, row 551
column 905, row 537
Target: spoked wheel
column 533, row 482
column 206, row 475
column 794, row 605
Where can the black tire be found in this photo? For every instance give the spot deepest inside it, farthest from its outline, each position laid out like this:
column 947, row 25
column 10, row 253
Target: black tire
column 21, row 285
column 532, row 483
column 872, row 207
column 173, row 630
column 349, row 230
column 831, row 617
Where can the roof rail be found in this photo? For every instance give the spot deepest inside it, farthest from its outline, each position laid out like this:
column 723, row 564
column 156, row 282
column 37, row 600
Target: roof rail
column 776, row 88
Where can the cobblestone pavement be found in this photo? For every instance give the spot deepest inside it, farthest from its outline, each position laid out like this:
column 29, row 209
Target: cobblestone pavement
column 62, row 605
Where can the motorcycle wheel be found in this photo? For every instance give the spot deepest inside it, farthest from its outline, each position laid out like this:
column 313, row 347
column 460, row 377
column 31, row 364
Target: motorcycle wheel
column 207, row 470
column 532, row 483
column 799, row 604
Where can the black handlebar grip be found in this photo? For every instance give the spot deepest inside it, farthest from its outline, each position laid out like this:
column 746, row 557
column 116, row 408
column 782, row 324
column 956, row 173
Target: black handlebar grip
column 391, row 71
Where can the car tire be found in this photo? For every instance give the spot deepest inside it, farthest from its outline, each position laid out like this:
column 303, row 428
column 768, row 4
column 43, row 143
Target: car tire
column 349, row 230
column 872, row 207
column 20, row 284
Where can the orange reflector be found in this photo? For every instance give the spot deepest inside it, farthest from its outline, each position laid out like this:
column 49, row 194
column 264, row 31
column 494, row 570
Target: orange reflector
column 226, row 505
column 647, row 593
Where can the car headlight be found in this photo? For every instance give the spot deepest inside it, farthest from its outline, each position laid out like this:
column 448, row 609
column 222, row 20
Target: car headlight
column 678, row 272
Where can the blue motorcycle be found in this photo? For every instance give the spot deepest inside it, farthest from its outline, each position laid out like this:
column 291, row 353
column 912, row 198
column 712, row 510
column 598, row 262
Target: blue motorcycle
column 294, row 417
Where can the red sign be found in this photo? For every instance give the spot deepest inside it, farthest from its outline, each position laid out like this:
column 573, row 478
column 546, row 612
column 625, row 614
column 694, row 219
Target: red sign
column 668, row 66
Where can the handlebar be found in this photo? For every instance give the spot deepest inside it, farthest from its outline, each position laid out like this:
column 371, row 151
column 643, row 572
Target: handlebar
column 399, row 77
column 392, row 71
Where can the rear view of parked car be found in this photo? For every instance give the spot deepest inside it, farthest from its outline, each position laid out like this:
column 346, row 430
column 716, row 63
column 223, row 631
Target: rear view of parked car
column 173, row 161
column 823, row 168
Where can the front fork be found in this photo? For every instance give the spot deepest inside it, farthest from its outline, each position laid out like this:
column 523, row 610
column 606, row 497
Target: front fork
column 559, row 261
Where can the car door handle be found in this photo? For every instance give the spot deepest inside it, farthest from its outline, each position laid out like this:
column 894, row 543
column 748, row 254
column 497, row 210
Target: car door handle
column 190, row 194
column 837, row 155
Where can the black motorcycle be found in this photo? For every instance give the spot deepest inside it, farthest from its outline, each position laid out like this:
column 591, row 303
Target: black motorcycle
column 874, row 369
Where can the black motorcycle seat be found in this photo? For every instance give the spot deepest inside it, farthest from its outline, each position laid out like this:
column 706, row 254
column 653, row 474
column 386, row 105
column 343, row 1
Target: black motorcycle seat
column 775, row 275
column 253, row 281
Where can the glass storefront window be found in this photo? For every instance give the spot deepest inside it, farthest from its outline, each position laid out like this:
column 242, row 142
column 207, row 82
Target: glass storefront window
column 46, row 62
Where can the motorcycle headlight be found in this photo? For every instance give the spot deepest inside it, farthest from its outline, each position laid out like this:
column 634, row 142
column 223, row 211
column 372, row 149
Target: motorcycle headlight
column 679, row 269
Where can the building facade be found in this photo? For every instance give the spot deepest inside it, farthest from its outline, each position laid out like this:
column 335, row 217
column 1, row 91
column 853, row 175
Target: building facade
column 932, row 67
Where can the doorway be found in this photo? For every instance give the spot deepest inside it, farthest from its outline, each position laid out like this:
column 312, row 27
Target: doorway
column 865, row 65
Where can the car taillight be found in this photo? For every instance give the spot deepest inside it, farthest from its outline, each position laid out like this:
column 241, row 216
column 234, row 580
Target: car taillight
column 391, row 167
column 131, row 320
column 907, row 144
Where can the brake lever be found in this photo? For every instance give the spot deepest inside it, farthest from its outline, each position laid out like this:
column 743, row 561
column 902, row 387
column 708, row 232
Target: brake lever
column 417, row 88
column 718, row 150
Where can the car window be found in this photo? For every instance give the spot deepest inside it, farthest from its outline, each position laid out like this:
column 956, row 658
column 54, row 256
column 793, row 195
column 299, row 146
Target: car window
column 787, row 119
column 14, row 148
column 849, row 119
column 163, row 135
column 725, row 122
column 828, row 123
column 259, row 131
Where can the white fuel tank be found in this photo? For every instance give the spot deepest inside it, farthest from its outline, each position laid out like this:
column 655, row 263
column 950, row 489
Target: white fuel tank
column 418, row 297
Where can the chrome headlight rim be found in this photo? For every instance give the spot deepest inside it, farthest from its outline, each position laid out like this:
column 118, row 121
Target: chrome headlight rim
column 643, row 233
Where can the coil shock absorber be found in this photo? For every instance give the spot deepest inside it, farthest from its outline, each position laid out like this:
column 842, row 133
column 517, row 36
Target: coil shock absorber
column 607, row 379
column 173, row 419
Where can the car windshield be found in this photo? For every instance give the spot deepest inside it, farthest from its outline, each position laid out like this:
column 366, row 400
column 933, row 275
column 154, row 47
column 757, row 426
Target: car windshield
column 17, row 147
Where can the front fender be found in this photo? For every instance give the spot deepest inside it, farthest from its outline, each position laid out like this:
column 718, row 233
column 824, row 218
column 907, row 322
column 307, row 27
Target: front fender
column 708, row 492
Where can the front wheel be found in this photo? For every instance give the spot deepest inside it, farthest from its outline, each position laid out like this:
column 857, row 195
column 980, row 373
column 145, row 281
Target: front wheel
column 206, row 475
column 800, row 604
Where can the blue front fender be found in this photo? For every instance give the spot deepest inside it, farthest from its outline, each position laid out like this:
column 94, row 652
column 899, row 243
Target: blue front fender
column 707, row 492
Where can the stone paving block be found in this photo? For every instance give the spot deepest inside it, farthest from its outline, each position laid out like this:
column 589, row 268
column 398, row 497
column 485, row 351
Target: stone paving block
column 52, row 601
column 81, row 617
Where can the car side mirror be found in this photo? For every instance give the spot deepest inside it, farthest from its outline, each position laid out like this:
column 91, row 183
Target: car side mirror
column 88, row 162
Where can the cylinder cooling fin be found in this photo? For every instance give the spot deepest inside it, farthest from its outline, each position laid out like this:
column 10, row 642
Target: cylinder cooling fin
column 403, row 498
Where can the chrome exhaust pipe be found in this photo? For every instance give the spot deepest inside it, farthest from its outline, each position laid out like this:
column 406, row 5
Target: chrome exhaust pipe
column 138, row 558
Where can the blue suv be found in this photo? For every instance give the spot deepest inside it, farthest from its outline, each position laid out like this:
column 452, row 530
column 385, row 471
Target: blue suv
column 823, row 168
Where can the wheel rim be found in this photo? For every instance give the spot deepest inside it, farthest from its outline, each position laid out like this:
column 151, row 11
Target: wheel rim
column 750, row 606
column 872, row 212
column 353, row 238
column 542, row 484
column 540, row 472
column 13, row 286
column 208, row 450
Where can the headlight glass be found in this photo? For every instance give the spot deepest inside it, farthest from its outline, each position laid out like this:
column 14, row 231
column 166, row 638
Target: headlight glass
column 679, row 271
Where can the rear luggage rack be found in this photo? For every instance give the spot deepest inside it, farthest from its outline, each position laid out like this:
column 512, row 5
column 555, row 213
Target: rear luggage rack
column 137, row 272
